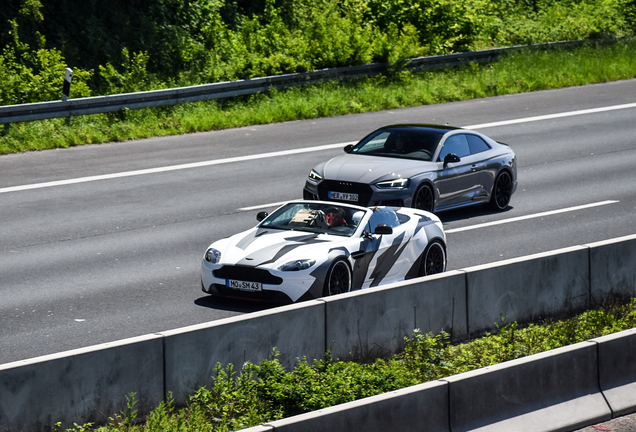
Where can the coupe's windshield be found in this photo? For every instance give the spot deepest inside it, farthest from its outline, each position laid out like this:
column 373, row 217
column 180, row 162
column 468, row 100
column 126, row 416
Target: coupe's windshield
column 316, row 217
column 419, row 144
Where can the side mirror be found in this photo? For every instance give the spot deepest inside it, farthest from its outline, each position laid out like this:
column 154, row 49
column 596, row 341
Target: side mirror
column 348, row 148
column 451, row 158
column 261, row 215
column 383, row 229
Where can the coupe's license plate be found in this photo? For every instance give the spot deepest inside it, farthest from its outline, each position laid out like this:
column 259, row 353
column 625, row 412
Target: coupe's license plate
column 244, row 286
column 343, row 196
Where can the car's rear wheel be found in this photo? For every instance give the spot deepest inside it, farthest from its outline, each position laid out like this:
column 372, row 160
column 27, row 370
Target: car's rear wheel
column 424, row 199
column 501, row 191
column 433, row 259
column 338, row 279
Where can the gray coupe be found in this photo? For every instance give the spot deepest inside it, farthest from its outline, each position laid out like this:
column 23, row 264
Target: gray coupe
column 429, row 167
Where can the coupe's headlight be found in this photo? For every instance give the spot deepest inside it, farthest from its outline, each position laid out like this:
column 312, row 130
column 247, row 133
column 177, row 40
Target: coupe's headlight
column 401, row 183
column 313, row 175
column 212, row 255
column 297, row 265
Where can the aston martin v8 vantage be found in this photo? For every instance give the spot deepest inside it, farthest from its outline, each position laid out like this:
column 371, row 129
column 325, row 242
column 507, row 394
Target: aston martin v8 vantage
column 430, row 167
column 307, row 249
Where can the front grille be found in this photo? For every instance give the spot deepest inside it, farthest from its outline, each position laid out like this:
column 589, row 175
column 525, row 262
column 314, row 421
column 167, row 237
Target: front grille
column 362, row 189
column 264, row 296
column 247, row 274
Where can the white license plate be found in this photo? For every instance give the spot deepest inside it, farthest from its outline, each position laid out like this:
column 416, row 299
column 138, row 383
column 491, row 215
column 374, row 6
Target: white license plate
column 243, row 285
column 343, row 196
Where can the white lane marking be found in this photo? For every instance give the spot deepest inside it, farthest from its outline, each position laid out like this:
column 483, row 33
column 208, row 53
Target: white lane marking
column 262, row 206
column 532, row 216
column 551, row 116
column 287, row 152
column 172, row 168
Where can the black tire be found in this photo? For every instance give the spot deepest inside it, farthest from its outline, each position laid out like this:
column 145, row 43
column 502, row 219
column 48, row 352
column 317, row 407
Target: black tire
column 501, row 191
column 424, row 199
column 433, row 259
column 338, row 278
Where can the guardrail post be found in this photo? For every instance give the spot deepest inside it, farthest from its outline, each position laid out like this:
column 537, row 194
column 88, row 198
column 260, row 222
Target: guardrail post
column 7, row 127
column 66, row 89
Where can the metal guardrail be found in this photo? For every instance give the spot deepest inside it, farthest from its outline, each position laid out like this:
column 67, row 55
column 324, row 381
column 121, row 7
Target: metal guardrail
column 155, row 98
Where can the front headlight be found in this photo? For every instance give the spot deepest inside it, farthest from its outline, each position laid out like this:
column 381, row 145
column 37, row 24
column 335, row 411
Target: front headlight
column 297, row 265
column 213, row 256
column 401, row 183
column 313, row 175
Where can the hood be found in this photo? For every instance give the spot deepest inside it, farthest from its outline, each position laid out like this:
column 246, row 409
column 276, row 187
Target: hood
column 372, row 169
column 271, row 247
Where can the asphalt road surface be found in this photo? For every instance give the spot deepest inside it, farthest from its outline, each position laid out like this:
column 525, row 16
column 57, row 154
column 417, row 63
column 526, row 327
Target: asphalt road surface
column 104, row 242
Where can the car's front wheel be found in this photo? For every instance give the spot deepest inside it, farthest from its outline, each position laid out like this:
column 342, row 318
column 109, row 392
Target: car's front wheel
column 424, row 199
column 433, row 259
column 501, row 191
column 338, row 278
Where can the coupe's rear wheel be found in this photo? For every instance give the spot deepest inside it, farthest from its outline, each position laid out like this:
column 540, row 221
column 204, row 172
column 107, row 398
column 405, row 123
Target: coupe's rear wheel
column 433, row 259
column 424, row 199
column 501, row 191
column 338, row 279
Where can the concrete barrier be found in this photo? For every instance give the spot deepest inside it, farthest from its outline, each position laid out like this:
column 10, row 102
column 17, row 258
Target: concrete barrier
column 530, row 394
column 192, row 353
column 81, row 386
column 551, row 284
column 617, row 373
column 373, row 322
column 613, row 269
column 421, row 408
column 91, row 384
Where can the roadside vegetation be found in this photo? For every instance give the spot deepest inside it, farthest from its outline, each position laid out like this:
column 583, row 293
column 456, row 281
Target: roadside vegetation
column 136, row 45
column 256, row 394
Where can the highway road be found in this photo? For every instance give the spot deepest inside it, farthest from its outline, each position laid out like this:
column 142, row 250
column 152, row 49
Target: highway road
column 104, row 242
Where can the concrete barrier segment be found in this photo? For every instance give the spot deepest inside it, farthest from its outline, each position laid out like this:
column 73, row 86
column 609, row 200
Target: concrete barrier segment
column 373, row 322
column 530, row 394
column 617, row 370
column 192, row 353
column 80, row 386
column 551, row 284
column 613, row 270
column 421, row 408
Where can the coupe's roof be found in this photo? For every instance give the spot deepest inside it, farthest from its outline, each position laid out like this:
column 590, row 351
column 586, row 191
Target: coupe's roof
column 422, row 127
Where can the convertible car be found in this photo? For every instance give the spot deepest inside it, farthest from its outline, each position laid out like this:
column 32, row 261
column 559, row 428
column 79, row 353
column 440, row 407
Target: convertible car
column 429, row 167
column 308, row 249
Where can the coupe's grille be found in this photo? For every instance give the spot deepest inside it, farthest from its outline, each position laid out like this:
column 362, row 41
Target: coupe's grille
column 363, row 190
column 248, row 274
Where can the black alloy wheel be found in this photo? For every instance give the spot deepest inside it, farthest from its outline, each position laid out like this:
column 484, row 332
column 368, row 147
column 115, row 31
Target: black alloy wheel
column 338, row 279
column 501, row 191
column 424, row 199
column 433, row 259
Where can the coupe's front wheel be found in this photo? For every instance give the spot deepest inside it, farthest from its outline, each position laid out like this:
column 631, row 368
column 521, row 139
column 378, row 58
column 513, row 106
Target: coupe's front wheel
column 338, row 278
column 433, row 259
column 501, row 191
column 424, row 199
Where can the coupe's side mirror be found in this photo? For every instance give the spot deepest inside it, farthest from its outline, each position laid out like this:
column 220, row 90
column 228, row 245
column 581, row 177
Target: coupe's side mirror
column 451, row 158
column 261, row 215
column 348, row 148
column 383, row 229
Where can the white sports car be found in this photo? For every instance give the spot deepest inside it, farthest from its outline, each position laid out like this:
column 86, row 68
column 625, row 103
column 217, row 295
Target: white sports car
column 309, row 249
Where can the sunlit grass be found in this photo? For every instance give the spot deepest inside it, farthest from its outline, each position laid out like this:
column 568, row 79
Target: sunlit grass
column 523, row 71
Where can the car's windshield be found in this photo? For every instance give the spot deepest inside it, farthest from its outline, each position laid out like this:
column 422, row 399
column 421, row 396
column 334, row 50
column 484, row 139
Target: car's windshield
column 418, row 144
column 316, row 217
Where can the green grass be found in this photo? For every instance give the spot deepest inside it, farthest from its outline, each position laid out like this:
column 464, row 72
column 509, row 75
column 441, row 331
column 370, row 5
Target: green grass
column 265, row 392
column 523, row 71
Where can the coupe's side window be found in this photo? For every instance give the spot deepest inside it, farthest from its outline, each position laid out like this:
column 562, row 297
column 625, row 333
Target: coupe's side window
column 457, row 145
column 477, row 145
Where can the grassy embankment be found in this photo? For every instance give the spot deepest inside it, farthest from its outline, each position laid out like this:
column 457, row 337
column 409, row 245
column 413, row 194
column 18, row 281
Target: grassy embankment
column 261, row 393
column 527, row 70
